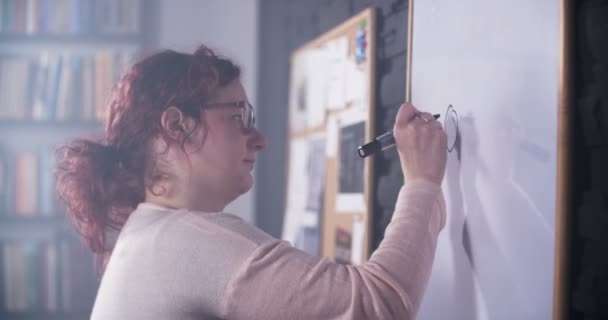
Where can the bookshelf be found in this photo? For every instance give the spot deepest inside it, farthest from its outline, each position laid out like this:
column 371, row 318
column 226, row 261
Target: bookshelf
column 58, row 62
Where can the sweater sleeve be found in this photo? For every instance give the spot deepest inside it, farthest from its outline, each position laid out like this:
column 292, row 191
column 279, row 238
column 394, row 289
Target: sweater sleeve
column 281, row 282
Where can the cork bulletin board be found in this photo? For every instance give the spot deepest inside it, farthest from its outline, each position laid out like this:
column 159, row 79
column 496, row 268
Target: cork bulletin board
column 331, row 113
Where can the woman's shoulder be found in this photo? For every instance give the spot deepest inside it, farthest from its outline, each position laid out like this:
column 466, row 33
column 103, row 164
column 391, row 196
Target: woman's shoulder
column 191, row 232
column 215, row 224
column 190, row 227
column 227, row 225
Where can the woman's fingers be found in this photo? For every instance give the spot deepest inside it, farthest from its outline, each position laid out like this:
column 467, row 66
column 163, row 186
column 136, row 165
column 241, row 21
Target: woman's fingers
column 427, row 117
column 405, row 114
column 421, row 144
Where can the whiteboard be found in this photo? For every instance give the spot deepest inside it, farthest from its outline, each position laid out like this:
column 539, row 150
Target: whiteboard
column 496, row 62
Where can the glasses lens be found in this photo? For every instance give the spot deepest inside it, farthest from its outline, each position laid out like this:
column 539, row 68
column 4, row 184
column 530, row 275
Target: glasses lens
column 248, row 117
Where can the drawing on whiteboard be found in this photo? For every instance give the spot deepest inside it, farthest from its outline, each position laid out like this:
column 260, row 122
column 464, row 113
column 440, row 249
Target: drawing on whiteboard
column 450, row 123
column 528, row 156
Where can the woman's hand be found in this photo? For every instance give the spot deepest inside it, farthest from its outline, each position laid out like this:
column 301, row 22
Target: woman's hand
column 421, row 143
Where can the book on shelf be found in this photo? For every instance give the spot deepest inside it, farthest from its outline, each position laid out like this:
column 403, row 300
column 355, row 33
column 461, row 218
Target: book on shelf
column 48, row 202
column 59, row 86
column 4, row 187
column 47, row 276
column 7, row 188
column 78, row 279
column 28, row 183
column 69, row 17
column 53, row 87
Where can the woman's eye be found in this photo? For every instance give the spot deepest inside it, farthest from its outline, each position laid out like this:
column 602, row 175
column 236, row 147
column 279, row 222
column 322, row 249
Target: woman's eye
column 237, row 117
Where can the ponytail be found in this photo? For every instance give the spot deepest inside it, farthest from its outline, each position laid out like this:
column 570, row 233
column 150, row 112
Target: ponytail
column 98, row 189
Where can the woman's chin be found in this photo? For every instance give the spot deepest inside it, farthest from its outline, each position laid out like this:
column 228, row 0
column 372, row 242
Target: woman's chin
column 246, row 184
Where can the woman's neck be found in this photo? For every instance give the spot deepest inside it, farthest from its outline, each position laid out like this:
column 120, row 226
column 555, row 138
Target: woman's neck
column 185, row 198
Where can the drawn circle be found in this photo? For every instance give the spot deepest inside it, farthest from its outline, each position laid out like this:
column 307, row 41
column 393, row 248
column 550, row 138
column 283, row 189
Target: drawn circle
column 450, row 123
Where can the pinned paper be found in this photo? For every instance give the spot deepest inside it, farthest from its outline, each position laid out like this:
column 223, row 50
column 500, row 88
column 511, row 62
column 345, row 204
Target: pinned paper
column 305, row 192
column 336, row 84
column 350, row 197
column 335, row 72
column 308, row 90
column 355, row 86
column 317, row 65
column 358, row 241
column 297, row 181
column 331, row 135
column 343, row 246
column 298, row 95
column 315, row 169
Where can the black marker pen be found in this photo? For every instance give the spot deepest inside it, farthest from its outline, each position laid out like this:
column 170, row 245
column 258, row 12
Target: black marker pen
column 381, row 142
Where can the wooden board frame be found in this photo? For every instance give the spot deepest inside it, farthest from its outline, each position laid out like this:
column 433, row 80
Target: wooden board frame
column 564, row 127
column 330, row 219
column 565, row 115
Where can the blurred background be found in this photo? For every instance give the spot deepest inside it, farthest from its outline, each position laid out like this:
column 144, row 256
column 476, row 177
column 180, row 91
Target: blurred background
column 58, row 62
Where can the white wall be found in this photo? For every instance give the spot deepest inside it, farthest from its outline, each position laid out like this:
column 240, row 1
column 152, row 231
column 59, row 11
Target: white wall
column 229, row 27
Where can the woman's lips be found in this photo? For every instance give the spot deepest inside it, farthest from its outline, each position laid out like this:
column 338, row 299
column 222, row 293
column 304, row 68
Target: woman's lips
column 250, row 162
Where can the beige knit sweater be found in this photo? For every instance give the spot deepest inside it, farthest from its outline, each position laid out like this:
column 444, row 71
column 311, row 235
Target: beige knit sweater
column 180, row 264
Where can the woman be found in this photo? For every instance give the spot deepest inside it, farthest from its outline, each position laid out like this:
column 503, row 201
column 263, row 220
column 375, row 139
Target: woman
column 181, row 144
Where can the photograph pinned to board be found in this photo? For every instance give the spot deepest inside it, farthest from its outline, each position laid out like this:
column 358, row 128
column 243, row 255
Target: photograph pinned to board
column 350, row 197
column 307, row 89
column 346, row 82
column 298, row 180
column 343, row 246
column 305, row 193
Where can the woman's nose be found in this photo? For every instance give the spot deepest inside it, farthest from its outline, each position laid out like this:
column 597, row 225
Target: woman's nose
column 258, row 140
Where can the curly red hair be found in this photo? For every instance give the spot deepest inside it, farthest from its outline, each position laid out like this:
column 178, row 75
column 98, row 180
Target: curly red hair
column 102, row 181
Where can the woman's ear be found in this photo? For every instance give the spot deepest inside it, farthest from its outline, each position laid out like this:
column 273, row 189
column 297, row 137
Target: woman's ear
column 176, row 124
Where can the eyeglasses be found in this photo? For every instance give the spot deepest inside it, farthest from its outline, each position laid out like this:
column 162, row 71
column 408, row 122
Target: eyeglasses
column 247, row 112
